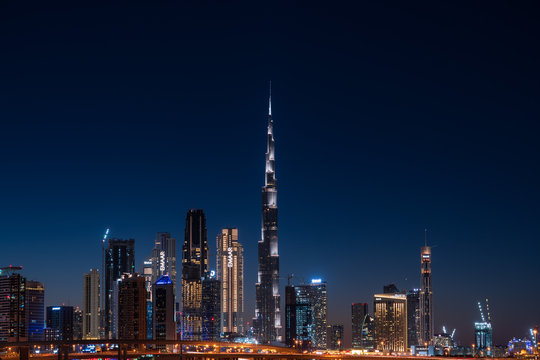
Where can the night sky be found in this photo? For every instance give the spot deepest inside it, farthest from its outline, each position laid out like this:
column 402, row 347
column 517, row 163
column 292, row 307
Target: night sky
column 390, row 117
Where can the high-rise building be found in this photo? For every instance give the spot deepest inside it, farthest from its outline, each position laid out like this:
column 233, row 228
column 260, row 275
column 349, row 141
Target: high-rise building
column 119, row 260
column 267, row 322
column 368, row 333
column 131, row 307
column 391, row 322
column 164, row 258
column 211, row 309
column 426, row 297
column 230, row 273
column 413, row 317
column 147, row 274
column 483, row 338
column 306, row 314
column 163, row 309
column 359, row 313
column 60, row 321
column 390, row 289
column 91, row 305
column 12, row 305
column 35, row 310
column 77, row 323
column 194, row 269
column 334, row 337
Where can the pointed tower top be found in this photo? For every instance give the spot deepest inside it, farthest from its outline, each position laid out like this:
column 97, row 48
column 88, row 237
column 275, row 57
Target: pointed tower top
column 425, row 237
column 270, row 100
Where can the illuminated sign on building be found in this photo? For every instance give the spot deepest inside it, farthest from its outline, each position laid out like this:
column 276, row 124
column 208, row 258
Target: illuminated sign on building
column 162, row 261
column 229, row 257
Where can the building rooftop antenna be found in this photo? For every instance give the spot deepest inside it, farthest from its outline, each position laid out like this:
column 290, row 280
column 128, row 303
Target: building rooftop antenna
column 425, row 237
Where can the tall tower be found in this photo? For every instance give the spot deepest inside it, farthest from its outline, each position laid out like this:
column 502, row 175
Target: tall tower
column 91, row 308
column 194, row 269
column 230, row 271
column 35, row 310
column 267, row 312
column 119, row 259
column 426, row 296
column 164, row 258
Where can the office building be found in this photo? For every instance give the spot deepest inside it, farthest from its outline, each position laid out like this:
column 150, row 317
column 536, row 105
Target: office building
column 77, row 323
column 390, row 289
column 147, row 274
column 483, row 338
column 359, row 312
column 194, row 269
column 119, row 260
column 267, row 322
column 131, row 307
column 230, row 273
column 164, row 258
column 163, row 309
column 60, row 321
column 306, row 314
column 12, row 305
column 368, row 333
column 35, row 310
column 391, row 322
column 413, row 317
column 91, row 305
column 334, row 336
column 211, row 309
column 426, row 297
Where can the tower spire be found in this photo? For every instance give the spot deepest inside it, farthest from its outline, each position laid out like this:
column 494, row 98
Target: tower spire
column 425, row 237
column 270, row 100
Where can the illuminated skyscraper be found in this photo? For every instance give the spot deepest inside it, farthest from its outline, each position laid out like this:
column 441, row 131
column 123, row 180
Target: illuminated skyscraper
column 483, row 338
column 426, row 297
column 359, row 313
column 194, row 269
column 77, row 323
column 147, row 274
column 306, row 314
column 119, row 260
column 334, row 337
column 267, row 312
column 230, row 273
column 91, row 305
column 35, row 310
column 413, row 317
column 12, row 305
column 391, row 322
column 164, row 258
column 60, row 321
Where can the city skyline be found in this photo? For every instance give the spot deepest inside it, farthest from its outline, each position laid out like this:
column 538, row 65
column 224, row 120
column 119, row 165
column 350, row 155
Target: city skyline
column 369, row 161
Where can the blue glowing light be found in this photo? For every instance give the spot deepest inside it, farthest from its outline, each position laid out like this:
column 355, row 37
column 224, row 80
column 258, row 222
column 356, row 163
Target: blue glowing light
column 164, row 280
column 316, row 281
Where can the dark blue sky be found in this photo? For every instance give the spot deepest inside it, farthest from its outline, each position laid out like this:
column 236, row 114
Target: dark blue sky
column 390, row 117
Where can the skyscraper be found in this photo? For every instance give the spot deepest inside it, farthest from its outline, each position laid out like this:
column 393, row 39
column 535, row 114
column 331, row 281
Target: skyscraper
column 77, row 323
column 194, row 269
column 164, row 258
column 211, row 309
column 91, row 304
column 306, row 310
column 12, row 305
column 426, row 296
column 391, row 322
column 60, row 321
column 164, row 326
column 147, row 274
column 119, row 260
column 35, row 310
column 483, row 338
column 413, row 317
column 359, row 313
column 267, row 311
column 131, row 307
column 230, row 273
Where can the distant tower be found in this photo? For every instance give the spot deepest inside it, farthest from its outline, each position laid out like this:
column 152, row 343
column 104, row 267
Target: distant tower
column 60, row 321
column 164, row 258
column 391, row 322
column 230, row 273
column 267, row 311
column 131, row 307
column 211, row 309
column 12, row 305
column 413, row 316
column 35, row 310
column 194, row 269
column 119, row 260
column 91, row 305
column 359, row 312
column 163, row 323
column 426, row 296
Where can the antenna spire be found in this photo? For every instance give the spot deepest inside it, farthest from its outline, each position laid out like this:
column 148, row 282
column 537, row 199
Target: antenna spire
column 425, row 237
column 270, row 100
